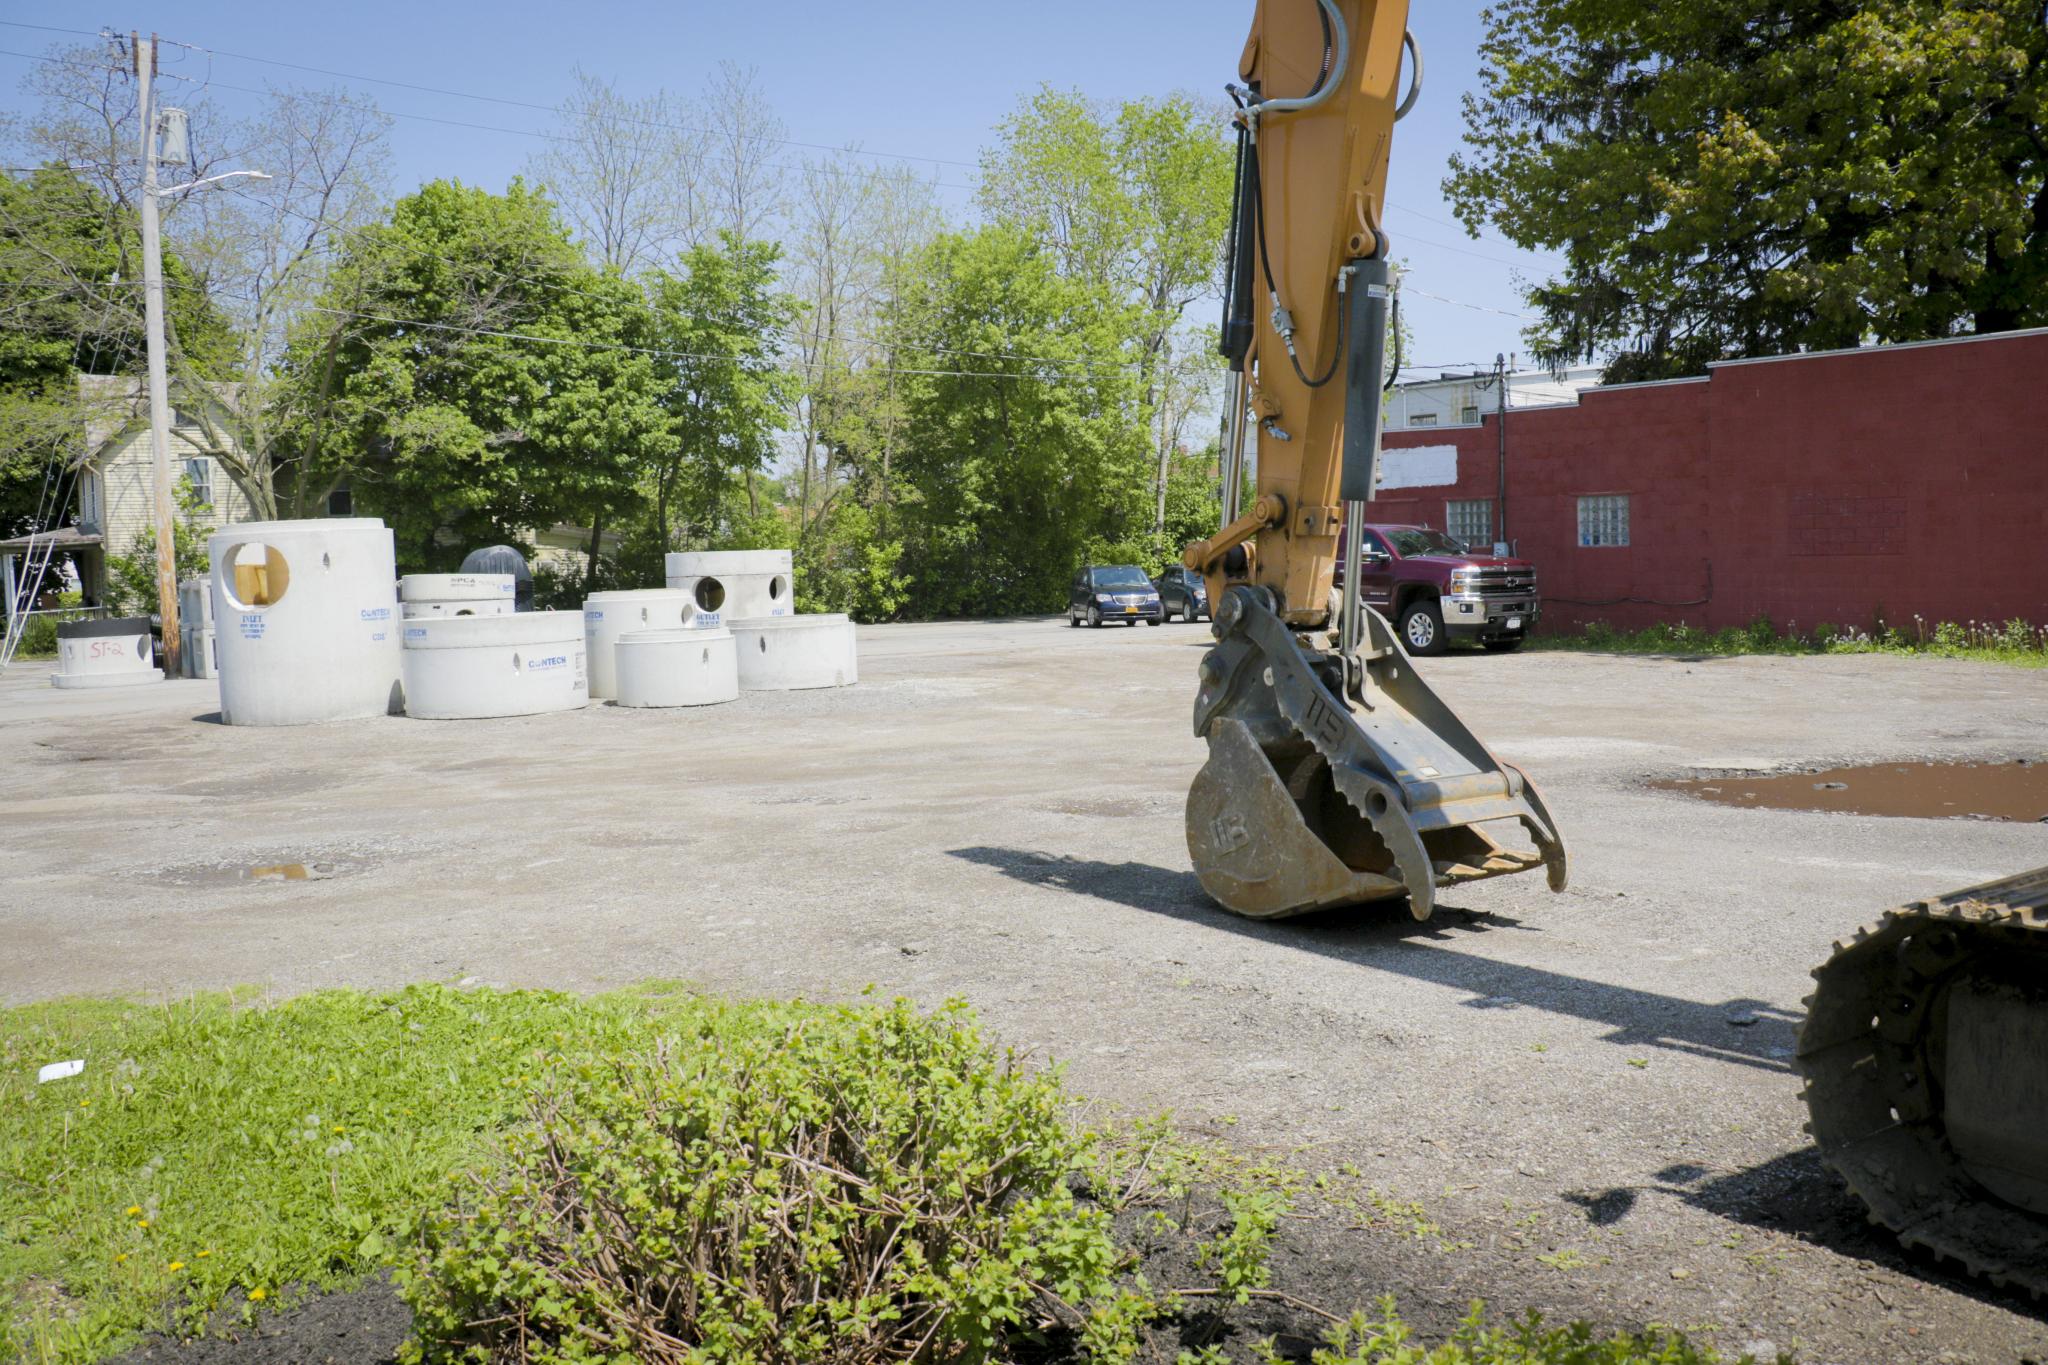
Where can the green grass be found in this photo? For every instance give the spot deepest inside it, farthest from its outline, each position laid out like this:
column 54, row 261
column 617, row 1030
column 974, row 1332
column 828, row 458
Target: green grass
column 213, row 1153
column 223, row 1153
column 2013, row 642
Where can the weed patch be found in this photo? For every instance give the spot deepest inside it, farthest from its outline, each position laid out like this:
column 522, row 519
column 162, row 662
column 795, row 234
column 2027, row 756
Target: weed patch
column 2012, row 642
column 651, row 1175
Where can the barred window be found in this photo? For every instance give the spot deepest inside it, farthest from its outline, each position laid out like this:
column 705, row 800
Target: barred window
column 1469, row 414
column 1603, row 520
column 1470, row 520
column 1421, row 419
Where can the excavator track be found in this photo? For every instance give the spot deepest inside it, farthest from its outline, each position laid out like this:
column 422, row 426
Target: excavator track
column 1925, row 1061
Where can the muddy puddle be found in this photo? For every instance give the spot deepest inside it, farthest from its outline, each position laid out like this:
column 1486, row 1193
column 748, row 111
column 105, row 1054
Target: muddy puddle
column 1932, row 791
column 236, row 874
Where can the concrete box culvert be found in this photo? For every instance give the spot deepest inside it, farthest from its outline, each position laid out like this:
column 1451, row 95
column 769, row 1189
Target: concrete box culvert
column 734, row 585
column 306, row 620
column 793, row 653
column 110, row 652
column 199, row 652
column 480, row 667
column 195, row 604
column 609, row 615
column 677, row 667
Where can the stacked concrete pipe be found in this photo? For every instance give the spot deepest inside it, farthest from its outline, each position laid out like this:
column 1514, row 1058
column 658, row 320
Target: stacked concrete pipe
column 456, row 594
column 734, row 585
column 608, row 616
column 307, row 620
column 677, row 667
column 479, row 667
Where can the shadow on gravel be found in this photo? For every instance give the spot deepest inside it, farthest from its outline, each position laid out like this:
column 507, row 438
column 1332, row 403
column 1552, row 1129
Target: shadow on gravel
column 1796, row 1195
column 1385, row 938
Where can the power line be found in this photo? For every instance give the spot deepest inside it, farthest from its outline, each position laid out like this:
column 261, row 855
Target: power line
column 345, row 103
column 422, row 252
column 49, row 28
column 662, row 353
column 546, row 108
column 491, row 99
column 1460, row 303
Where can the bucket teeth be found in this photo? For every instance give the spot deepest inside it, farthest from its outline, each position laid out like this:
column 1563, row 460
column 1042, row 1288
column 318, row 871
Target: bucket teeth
column 1266, row 705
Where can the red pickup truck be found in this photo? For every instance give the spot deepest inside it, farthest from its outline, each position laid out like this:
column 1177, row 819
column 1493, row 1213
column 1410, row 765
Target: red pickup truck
column 1435, row 591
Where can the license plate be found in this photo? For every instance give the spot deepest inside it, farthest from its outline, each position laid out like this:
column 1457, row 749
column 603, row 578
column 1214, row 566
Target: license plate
column 1130, row 611
column 1514, row 623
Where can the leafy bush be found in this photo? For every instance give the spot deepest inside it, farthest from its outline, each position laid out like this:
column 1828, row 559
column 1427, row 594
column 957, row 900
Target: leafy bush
column 39, row 632
column 131, row 578
column 1385, row 1340
column 777, row 1186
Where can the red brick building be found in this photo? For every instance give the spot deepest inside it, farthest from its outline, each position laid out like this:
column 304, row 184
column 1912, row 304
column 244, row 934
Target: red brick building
column 1844, row 487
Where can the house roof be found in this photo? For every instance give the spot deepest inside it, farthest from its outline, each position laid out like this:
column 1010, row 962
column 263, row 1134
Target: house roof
column 63, row 538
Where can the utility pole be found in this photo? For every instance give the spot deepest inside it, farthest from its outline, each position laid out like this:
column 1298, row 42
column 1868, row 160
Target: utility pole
column 159, row 382
column 1500, row 379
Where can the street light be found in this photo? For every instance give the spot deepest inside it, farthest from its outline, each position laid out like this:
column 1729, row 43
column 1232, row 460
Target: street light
column 153, row 321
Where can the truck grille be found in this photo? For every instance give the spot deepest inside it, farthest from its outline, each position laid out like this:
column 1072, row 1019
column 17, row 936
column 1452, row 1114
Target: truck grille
column 1494, row 582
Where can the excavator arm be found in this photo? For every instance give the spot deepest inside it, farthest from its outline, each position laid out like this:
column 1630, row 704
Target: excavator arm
column 1335, row 774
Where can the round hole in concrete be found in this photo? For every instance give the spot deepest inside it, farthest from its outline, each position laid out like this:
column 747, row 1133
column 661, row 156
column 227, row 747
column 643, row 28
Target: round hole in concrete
column 254, row 575
column 710, row 594
column 764, row 644
column 515, row 663
column 777, row 586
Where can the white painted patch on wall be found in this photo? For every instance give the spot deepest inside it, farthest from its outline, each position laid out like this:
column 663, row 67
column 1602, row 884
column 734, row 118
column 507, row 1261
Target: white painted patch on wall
column 1418, row 467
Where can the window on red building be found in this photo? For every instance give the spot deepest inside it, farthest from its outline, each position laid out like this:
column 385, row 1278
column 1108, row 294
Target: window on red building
column 1603, row 520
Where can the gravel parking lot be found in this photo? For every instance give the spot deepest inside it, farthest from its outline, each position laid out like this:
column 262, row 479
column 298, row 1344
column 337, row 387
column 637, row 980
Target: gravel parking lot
column 1591, row 1093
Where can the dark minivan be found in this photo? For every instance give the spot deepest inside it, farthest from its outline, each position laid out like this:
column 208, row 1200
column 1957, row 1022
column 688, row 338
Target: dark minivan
column 1182, row 590
column 1113, row 592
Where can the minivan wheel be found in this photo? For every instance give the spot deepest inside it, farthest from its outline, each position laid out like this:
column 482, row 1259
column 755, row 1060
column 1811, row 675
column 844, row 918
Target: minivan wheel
column 1073, row 620
column 1095, row 617
column 1422, row 628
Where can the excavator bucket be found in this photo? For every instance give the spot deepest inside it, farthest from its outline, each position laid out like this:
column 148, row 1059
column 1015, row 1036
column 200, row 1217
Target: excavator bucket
column 1321, row 791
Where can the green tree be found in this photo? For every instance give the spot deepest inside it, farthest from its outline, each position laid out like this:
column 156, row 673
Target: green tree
column 722, row 389
column 1015, row 467
column 473, row 378
column 1756, row 176
column 69, row 257
column 1136, row 200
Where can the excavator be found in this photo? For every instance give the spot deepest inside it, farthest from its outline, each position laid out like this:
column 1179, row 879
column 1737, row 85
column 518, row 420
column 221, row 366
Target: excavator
column 1337, row 776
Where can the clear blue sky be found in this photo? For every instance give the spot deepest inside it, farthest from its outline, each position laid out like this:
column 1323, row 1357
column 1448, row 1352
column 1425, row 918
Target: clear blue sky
column 917, row 77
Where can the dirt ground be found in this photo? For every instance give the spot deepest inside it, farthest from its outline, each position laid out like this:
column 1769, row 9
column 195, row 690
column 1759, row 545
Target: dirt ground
column 1590, row 1093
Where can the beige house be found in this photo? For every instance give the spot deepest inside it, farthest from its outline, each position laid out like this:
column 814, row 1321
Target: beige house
column 117, row 493
column 117, row 478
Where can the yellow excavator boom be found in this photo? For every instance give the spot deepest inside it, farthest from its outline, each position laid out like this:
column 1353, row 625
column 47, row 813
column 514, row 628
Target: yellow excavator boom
column 1335, row 774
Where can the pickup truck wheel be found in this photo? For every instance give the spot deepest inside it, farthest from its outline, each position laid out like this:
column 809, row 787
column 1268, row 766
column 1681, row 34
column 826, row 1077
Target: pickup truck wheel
column 1501, row 646
column 1095, row 617
column 1422, row 628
